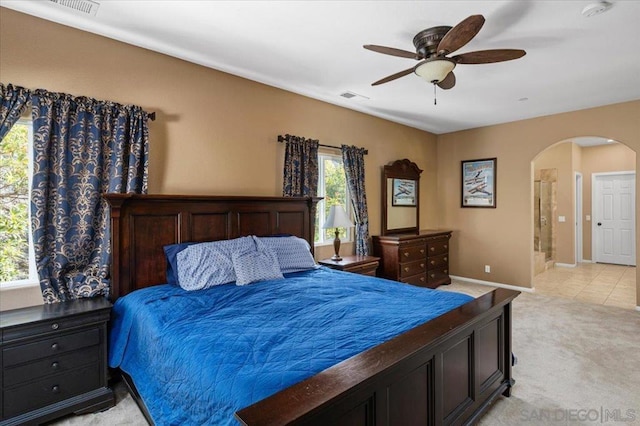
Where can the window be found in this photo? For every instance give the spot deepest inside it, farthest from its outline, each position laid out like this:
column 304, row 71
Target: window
column 17, row 260
column 332, row 185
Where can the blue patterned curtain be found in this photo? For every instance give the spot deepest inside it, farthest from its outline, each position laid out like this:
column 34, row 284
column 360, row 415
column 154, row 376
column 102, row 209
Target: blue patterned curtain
column 353, row 160
column 300, row 168
column 14, row 99
column 82, row 149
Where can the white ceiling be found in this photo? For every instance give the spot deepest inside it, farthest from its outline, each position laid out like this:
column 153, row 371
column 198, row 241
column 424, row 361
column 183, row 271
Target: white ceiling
column 314, row 48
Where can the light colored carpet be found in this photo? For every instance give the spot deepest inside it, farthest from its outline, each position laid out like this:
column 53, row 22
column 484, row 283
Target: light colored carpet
column 577, row 364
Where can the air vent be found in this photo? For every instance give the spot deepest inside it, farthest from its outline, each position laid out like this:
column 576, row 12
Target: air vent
column 87, row 7
column 349, row 95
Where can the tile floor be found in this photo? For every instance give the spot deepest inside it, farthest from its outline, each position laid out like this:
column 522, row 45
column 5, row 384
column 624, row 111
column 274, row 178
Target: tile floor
column 613, row 285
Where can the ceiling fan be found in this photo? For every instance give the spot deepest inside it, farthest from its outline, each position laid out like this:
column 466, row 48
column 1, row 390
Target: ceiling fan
column 434, row 44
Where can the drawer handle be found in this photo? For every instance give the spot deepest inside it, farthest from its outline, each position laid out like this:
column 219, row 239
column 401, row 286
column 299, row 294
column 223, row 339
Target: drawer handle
column 406, row 269
column 422, row 265
column 55, row 365
column 55, row 347
column 422, row 279
column 433, row 275
column 445, row 258
column 406, row 254
column 421, row 251
column 55, row 389
column 55, row 326
column 433, row 249
column 446, row 271
column 433, row 262
column 445, row 246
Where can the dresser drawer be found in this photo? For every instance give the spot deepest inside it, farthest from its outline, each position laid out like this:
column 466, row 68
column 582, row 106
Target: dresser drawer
column 368, row 269
column 57, row 325
column 419, row 280
column 412, row 268
column 437, row 247
column 438, row 262
column 52, row 389
column 411, row 253
column 51, row 346
column 438, row 275
column 52, row 365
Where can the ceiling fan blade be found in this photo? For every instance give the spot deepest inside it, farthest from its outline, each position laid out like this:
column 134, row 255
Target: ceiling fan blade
column 461, row 34
column 489, row 56
column 392, row 51
column 448, row 82
column 393, row 76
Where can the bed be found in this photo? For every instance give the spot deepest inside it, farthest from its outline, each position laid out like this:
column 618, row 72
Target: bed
column 447, row 370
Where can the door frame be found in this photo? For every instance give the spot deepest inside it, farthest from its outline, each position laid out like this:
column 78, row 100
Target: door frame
column 578, row 216
column 595, row 241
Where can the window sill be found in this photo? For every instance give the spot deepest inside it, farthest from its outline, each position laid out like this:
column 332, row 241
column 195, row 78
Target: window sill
column 10, row 285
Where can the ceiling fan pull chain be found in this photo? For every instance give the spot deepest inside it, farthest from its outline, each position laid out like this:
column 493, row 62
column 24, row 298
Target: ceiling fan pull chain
column 435, row 100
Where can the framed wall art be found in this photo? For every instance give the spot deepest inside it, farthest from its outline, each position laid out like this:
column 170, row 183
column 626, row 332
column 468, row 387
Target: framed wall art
column 404, row 193
column 479, row 183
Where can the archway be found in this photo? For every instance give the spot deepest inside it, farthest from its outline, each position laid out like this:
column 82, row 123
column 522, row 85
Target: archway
column 562, row 217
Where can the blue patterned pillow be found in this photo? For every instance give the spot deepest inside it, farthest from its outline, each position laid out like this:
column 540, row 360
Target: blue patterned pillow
column 205, row 265
column 294, row 254
column 256, row 266
column 171, row 253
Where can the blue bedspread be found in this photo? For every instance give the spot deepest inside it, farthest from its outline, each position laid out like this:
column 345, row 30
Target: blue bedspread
column 197, row 357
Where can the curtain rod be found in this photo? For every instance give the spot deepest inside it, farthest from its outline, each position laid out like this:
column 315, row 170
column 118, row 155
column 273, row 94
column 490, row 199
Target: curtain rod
column 287, row 136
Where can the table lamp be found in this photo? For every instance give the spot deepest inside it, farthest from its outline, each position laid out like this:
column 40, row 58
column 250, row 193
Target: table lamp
column 337, row 219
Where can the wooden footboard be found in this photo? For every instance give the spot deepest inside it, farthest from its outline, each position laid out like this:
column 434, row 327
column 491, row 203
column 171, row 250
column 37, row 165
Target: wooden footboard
column 446, row 371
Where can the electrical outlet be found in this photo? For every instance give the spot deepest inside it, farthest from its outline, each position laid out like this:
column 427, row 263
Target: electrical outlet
column 487, row 269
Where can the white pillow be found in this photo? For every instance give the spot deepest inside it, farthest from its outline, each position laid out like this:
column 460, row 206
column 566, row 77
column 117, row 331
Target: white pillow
column 294, row 254
column 209, row 264
column 254, row 266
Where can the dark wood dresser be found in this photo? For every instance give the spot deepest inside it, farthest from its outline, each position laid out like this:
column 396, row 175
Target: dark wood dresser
column 420, row 259
column 54, row 361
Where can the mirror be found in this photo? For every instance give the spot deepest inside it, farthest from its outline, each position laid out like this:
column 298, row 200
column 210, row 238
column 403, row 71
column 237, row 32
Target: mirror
column 400, row 197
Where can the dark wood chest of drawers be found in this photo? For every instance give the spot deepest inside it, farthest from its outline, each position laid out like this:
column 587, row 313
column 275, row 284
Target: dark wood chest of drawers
column 54, row 361
column 419, row 259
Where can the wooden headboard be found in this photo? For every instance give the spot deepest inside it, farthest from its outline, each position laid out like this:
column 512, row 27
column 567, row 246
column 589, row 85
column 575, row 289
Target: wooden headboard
column 142, row 224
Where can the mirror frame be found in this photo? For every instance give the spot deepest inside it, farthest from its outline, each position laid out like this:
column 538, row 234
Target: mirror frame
column 400, row 169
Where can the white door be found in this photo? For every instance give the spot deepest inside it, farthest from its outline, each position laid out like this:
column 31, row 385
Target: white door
column 614, row 218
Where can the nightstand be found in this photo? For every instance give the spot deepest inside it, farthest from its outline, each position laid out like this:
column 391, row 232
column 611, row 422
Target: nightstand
column 364, row 265
column 54, row 361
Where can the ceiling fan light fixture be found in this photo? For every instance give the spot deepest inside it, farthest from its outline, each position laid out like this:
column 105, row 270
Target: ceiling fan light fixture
column 596, row 8
column 435, row 70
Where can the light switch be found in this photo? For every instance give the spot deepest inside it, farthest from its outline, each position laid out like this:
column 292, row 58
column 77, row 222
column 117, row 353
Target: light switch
column 562, row 219
column 588, row 218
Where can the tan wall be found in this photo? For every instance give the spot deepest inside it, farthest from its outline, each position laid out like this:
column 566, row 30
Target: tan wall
column 503, row 237
column 560, row 157
column 215, row 133
column 601, row 159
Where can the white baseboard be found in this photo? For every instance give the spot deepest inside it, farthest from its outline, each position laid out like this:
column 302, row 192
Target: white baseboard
column 566, row 265
column 493, row 284
column 587, row 261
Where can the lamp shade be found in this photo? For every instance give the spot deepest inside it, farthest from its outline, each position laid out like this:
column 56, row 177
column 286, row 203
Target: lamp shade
column 435, row 70
column 337, row 218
